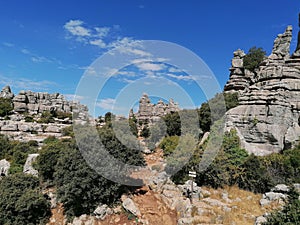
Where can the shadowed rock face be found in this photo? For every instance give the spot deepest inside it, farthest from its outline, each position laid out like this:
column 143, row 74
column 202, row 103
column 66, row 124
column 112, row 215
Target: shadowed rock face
column 267, row 118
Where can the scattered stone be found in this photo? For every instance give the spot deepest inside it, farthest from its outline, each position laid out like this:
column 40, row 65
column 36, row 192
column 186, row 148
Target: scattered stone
column 102, row 211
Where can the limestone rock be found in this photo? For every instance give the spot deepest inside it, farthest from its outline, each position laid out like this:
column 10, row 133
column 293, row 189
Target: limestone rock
column 260, row 220
column 130, row 206
column 281, row 188
column 28, row 168
column 6, row 93
column 4, row 167
column 267, row 117
column 281, row 48
column 149, row 112
column 102, row 211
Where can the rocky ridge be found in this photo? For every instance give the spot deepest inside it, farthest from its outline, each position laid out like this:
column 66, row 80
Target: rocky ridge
column 268, row 116
column 149, row 112
column 25, row 124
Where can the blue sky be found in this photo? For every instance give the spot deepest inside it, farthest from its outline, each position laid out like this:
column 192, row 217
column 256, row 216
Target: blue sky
column 48, row 45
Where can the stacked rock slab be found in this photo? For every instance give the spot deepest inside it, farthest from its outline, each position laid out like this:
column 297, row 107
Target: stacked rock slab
column 267, row 118
column 39, row 102
column 149, row 112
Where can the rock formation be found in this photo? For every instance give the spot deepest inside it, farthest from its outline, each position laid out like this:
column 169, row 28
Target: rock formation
column 39, row 102
column 32, row 105
column 268, row 116
column 149, row 112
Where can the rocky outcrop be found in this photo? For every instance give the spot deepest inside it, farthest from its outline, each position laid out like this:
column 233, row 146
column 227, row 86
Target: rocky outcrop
column 39, row 102
column 28, row 167
column 268, row 116
column 27, row 120
column 6, row 93
column 149, row 112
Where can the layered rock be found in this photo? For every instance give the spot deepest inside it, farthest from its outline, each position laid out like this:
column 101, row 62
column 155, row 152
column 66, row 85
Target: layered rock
column 267, row 118
column 39, row 102
column 32, row 105
column 149, row 112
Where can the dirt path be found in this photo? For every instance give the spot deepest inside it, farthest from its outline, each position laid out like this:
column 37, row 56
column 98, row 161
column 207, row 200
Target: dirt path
column 152, row 207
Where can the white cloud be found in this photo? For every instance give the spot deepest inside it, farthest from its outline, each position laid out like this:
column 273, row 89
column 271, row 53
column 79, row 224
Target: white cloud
column 150, row 66
column 102, row 31
column 73, row 97
column 40, row 59
column 26, row 84
column 100, row 43
column 75, row 27
column 107, row 104
column 26, row 51
column 180, row 77
column 7, row 44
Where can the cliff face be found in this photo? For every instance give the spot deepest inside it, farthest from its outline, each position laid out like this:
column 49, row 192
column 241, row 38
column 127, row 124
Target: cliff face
column 268, row 116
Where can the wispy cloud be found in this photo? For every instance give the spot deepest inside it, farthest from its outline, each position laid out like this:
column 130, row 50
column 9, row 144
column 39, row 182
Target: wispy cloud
column 36, row 58
column 107, row 104
column 8, row 44
column 73, row 97
column 104, row 37
column 150, row 66
column 26, row 84
column 76, row 28
column 180, row 77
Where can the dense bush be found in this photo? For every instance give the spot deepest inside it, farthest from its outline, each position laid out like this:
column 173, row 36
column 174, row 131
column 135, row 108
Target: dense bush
column 168, row 144
column 216, row 104
column 79, row 187
column 173, row 124
column 226, row 167
column 49, row 155
column 6, row 106
column 16, row 152
column 254, row 58
column 22, row 202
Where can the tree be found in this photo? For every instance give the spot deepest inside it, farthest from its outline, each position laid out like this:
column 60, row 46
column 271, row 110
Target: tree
column 79, row 187
column 206, row 119
column 22, row 202
column 254, row 58
column 173, row 124
column 6, row 106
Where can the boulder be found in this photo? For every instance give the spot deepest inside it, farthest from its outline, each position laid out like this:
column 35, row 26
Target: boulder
column 130, row 206
column 28, row 168
column 4, row 167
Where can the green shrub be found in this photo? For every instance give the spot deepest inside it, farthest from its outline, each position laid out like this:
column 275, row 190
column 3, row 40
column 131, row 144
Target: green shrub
column 22, row 202
column 29, row 119
column 145, row 132
column 46, row 117
column 216, row 104
column 169, row 144
column 6, row 106
column 254, row 58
